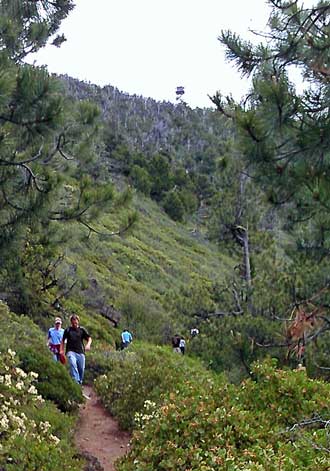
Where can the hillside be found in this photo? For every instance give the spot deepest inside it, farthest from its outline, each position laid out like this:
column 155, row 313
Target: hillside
column 154, row 275
column 154, row 217
column 147, row 125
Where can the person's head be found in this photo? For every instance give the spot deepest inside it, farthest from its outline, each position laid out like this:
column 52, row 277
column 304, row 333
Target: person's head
column 74, row 319
column 58, row 323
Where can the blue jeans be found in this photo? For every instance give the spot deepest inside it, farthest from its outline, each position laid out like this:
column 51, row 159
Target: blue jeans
column 77, row 366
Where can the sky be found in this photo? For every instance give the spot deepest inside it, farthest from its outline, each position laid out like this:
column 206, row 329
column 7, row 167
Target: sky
column 149, row 47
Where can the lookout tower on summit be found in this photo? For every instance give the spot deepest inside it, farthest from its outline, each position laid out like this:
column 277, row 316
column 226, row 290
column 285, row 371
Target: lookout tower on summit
column 179, row 92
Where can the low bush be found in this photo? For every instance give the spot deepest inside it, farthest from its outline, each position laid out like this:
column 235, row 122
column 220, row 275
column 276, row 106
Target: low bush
column 139, row 373
column 97, row 363
column 277, row 420
column 54, row 382
column 33, row 433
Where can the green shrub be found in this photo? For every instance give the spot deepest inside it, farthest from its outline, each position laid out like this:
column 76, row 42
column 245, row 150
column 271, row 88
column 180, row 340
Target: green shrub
column 235, row 346
column 141, row 179
column 97, row 363
column 54, row 382
column 255, row 426
column 34, row 434
column 173, row 205
column 142, row 373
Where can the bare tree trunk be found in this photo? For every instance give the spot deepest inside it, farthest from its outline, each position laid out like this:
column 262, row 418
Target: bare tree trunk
column 242, row 237
column 246, row 252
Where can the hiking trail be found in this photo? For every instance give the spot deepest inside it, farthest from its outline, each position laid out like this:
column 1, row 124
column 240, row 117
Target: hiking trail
column 98, row 435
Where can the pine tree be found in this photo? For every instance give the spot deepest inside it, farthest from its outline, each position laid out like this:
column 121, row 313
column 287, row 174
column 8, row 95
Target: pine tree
column 285, row 134
column 48, row 144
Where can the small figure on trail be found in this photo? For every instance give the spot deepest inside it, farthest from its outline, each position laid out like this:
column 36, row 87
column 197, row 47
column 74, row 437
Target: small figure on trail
column 126, row 339
column 74, row 337
column 182, row 345
column 194, row 332
column 176, row 343
column 54, row 338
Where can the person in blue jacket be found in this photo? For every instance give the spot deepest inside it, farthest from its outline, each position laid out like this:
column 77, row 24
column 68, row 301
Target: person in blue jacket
column 126, row 338
column 54, row 338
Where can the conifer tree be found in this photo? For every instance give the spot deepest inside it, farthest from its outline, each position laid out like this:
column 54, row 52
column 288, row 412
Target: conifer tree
column 284, row 134
column 48, row 142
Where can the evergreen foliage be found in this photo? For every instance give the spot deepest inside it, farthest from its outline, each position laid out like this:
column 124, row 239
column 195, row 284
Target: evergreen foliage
column 281, row 135
column 284, row 133
column 26, row 26
column 47, row 148
column 69, row 152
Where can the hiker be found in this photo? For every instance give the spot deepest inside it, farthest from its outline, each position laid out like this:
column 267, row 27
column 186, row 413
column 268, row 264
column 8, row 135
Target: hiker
column 176, row 343
column 54, row 338
column 126, row 339
column 74, row 337
column 194, row 332
column 182, row 345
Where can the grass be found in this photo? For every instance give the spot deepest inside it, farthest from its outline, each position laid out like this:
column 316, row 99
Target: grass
column 156, row 262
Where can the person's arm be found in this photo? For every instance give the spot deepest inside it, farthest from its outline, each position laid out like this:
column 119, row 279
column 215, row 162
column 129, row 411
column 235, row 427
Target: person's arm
column 48, row 338
column 88, row 344
column 63, row 343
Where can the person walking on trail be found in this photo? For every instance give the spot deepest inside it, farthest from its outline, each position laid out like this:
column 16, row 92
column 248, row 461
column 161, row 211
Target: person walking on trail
column 54, row 338
column 176, row 343
column 74, row 337
column 194, row 332
column 126, row 338
column 182, row 345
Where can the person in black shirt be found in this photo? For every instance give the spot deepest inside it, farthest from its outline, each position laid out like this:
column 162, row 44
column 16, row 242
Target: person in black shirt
column 176, row 343
column 74, row 337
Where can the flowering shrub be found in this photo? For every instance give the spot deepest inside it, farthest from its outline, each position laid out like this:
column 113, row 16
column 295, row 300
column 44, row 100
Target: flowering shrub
column 140, row 373
column 276, row 421
column 54, row 382
column 26, row 442
column 150, row 411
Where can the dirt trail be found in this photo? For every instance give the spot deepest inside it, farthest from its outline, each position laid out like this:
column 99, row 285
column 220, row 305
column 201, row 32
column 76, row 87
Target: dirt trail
column 98, row 434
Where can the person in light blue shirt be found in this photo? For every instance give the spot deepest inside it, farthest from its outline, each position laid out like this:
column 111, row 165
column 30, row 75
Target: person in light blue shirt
column 54, row 339
column 126, row 338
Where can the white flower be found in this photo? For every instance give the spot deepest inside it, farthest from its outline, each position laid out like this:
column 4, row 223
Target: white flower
column 32, row 390
column 20, row 372
column 4, row 423
column 45, row 426
column 18, row 421
column 38, row 399
column 55, row 439
column 7, row 380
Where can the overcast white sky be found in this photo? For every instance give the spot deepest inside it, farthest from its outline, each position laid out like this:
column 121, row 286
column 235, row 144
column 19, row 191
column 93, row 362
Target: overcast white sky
column 149, row 47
